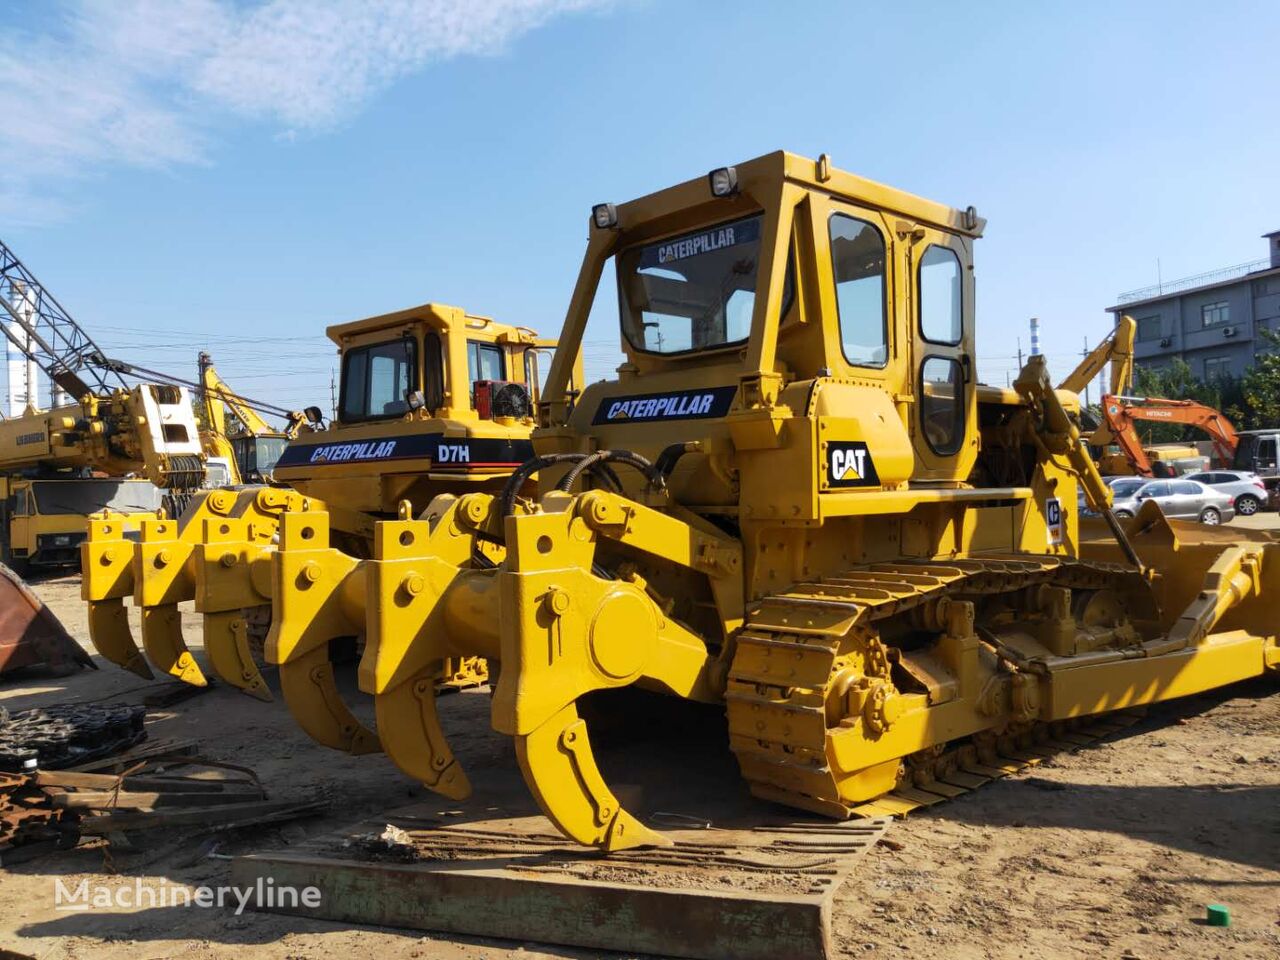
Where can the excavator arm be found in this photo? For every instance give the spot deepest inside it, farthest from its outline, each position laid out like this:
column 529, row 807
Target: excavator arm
column 1117, row 349
column 218, row 397
column 1121, row 414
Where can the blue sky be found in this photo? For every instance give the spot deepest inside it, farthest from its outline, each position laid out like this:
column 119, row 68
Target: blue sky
column 236, row 176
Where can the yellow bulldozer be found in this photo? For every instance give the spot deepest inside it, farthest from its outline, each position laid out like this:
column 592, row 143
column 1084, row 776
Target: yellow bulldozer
column 431, row 400
column 796, row 502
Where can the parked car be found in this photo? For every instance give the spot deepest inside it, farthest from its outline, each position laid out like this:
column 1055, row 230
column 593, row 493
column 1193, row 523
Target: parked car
column 1248, row 492
column 1179, row 499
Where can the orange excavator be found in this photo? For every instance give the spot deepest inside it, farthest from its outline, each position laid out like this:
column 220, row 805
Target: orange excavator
column 1121, row 414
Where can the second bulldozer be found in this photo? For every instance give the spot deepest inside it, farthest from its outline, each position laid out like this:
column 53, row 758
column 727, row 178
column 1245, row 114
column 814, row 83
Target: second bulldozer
column 795, row 502
column 432, row 400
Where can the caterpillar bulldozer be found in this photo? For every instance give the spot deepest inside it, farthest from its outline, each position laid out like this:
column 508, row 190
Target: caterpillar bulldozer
column 432, row 400
column 794, row 502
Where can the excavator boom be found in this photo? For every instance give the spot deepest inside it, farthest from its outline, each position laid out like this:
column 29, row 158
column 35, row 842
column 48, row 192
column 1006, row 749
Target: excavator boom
column 1122, row 414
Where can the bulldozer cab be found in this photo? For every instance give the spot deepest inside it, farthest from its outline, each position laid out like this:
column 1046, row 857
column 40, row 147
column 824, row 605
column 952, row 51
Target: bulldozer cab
column 775, row 292
column 437, row 359
column 428, row 396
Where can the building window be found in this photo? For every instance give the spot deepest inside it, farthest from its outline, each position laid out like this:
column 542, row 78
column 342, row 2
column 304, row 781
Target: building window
column 1149, row 328
column 1215, row 368
column 1212, row 314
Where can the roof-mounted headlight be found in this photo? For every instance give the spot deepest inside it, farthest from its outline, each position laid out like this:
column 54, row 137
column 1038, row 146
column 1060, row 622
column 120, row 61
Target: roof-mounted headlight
column 604, row 216
column 724, row 181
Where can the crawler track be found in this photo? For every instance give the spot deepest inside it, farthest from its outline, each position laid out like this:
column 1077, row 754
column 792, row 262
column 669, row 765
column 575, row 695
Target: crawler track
column 798, row 646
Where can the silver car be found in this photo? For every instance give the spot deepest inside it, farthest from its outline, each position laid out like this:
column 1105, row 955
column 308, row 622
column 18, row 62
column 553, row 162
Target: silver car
column 1248, row 492
column 1179, row 499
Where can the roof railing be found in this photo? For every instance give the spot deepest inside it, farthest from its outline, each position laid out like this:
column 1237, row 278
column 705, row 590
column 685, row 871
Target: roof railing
column 1199, row 280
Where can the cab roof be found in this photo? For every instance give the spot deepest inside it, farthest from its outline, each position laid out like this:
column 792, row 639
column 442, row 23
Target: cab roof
column 817, row 175
column 439, row 316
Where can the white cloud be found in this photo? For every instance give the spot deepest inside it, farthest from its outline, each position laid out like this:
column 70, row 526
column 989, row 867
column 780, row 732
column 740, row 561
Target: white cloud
column 144, row 82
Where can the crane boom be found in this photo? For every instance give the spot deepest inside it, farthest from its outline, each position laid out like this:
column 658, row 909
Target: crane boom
column 52, row 338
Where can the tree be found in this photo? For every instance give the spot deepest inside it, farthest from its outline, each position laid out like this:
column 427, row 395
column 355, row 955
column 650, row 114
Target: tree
column 1261, row 385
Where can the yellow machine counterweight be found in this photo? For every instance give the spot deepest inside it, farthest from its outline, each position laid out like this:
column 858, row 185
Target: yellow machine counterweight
column 797, row 502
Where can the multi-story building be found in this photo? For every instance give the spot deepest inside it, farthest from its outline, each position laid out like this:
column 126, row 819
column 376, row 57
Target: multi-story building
column 1211, row 320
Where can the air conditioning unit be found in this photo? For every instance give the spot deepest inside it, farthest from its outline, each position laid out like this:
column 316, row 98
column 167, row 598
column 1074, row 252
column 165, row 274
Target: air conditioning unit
column 502, row 398
column 1228, row 331
column 1165, row 341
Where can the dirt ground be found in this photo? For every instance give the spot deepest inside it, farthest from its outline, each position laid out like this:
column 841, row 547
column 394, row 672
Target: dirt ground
column 1114, row 850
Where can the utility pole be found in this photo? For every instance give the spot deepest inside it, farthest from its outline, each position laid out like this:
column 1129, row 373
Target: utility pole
column 1085, row 353
column 333, row 395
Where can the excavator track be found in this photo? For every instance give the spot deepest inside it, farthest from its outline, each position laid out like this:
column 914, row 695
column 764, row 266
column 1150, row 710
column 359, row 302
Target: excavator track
column 795, row 646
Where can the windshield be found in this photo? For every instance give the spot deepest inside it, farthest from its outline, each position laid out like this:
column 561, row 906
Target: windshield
column 696, row 291
column 260, row 454
column 377, row 379
column 84, row 497
column 1127, row 488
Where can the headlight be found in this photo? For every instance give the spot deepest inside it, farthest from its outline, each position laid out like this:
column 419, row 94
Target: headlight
column 724, row 181
column 604, row 215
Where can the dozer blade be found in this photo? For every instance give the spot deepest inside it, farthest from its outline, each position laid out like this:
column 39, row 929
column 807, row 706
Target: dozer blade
column 167, row 651
column 109, row 630
column 561, row 772
column 313, row 590
column 226, row 644
column 106, row 562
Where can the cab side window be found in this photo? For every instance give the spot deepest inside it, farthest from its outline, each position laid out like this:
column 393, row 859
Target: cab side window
column 858, row 262
column 942, row 404
column 484, row 361
column 941, row 316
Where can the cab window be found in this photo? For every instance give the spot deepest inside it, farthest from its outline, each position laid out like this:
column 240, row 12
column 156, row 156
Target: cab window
column 696, row 291
column 942, row 404
column 484, row 361
column 377, row 379
column 858, row 262
column 941, row 318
